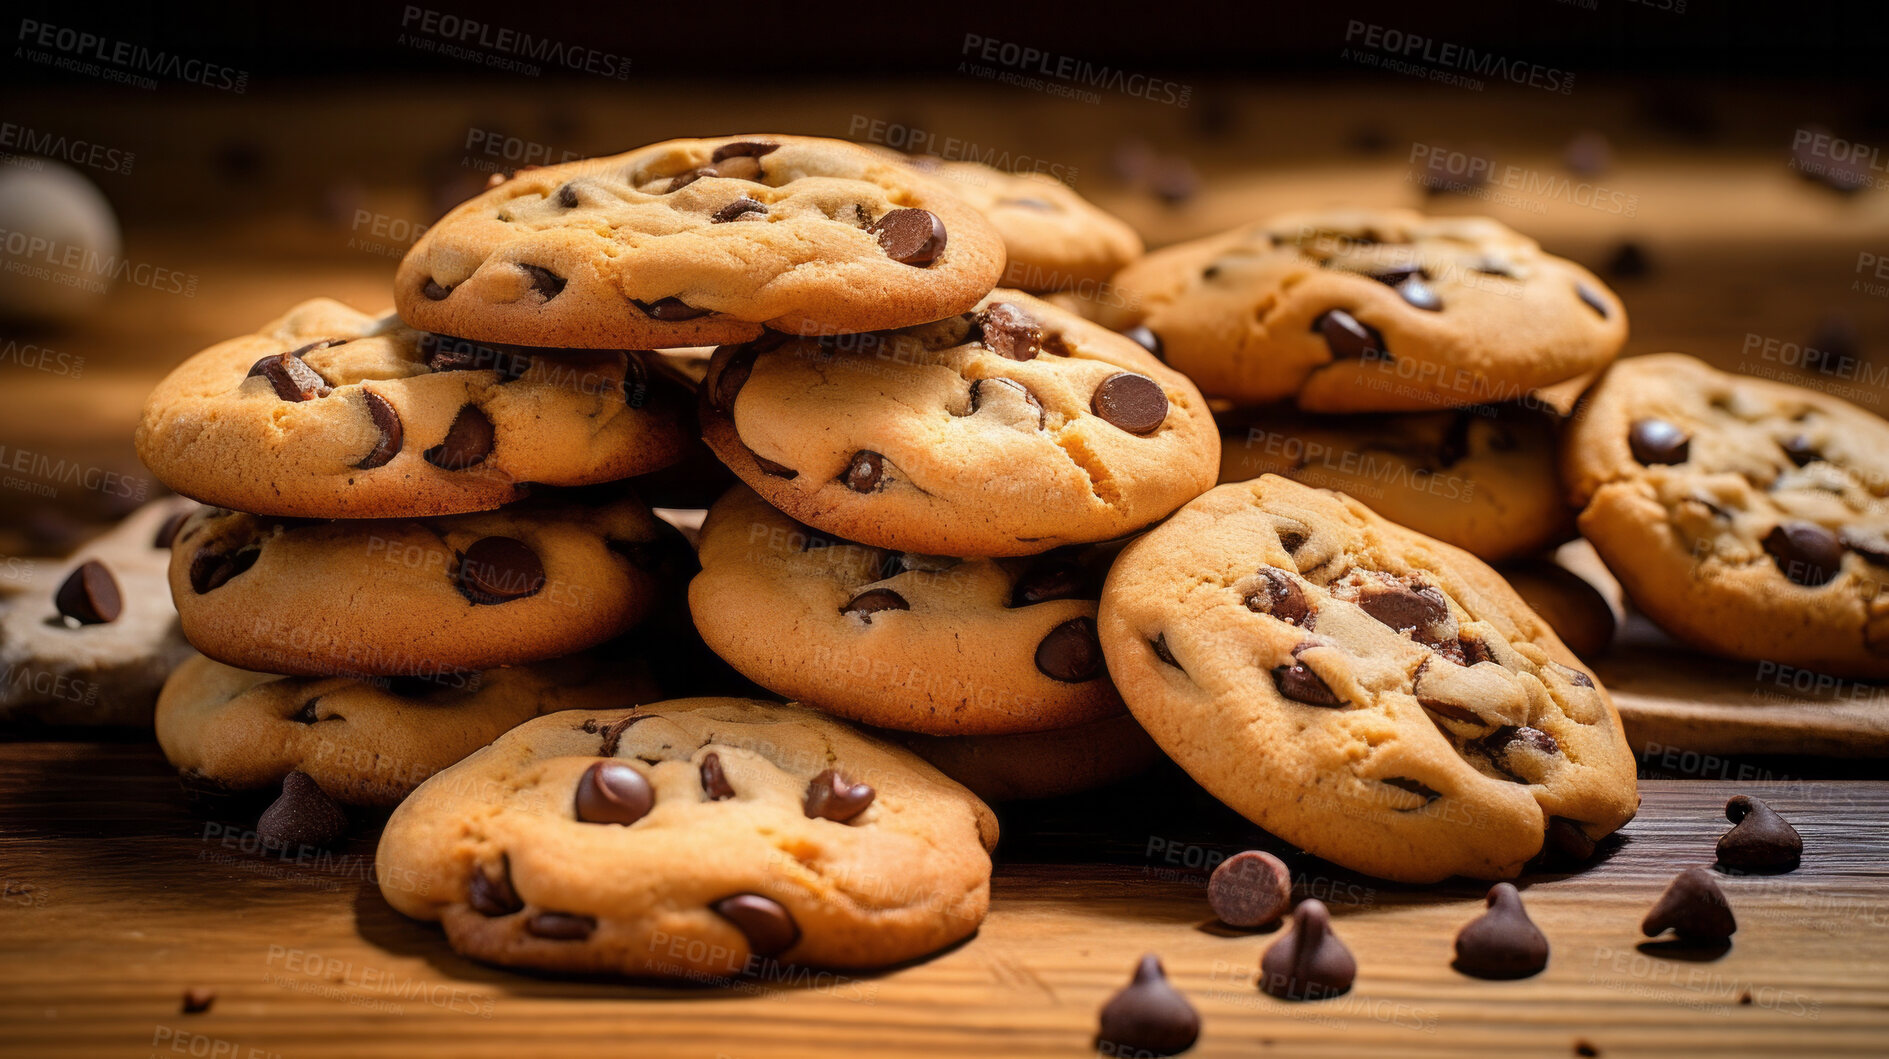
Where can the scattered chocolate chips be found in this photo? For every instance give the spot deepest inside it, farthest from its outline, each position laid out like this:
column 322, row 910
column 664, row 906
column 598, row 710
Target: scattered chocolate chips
column 1133, row 402
column 1693, row 907
column 1347, row 338
column 197, row 1000
column 392, row 435
column 167, row 532
column 670, row 310
column 1148, row 1016
column 495, row 570
column 435, row 291
column 1280, row 596
column 1048, row 579
column 1805, row 552
column 210, row 571
column 1655, row 441
column 1300, row 684
column 292, row 379
column 544, row 282
column 559, row 926
column 829, row 796
column 768, row 926
column 714, row 781
column 1310, row 963
column 1146, row 339
column 1071, row 652
column 1009, row 332
column 910, row 236
column 872, row 601
column 491, row 894
column 1763, row 841
column 90, row 595
column 743, row 208
column 742, row 149
column 611, row 792
column 1592, row 299
column 304, row 815
column 1502, row 942
column 1250, row 889
column 467, row 443
column 864, row 472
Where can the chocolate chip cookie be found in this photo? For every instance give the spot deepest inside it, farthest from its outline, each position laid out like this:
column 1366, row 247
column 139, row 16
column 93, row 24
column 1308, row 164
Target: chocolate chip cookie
column 922, row 643
column 331, row 413
column 698, row 242
column 420, row 597
column 1369, row 311
column 1382, row 699
column 691, row 839
column 1747, row 517
column 1009, row 430
column 1482, row 478
column 1004, row 768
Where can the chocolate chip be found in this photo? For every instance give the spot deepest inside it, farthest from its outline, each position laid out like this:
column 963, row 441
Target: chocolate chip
column 670, row 310
column 1159, row 645
column 306, row 714
column 167, row 532
column 772, row 469
column 1872, row 545
column 741, row 207
column 1049, row 579
column 1009, row 332
column 1503, row 942
column 435, row 291
column 1805, row 552
column 210, row 571
column 292, row 379
column 1280, row 596
column 1801, row 450
column 683, row 180
column 742, row 149
column 1300, row 684
column 197, row 1000
column 1310, row 963
column 1292, row 540
column 636, row 379
column 829, row 796
column 90, row 595
column 566, row 197
column 1762, row 841
column 1693, row 907
column 1417, row 787
column 1499, row 743
column 1133, row 402
column 998, row 384
column 544, row 282
column 492, row 894
column 387, row 423
column 467, row 443
column 446, row 353
column 1420, row 294
column 1628, row 261
column 1395, row 275
column 768, row 926
column 910, row 236
column 1575, row 676
column 496, row 570
column 1146, row 339
column 1655, row 441
column 1148, row 1016
column 304, row 815
column 732, row 377
column 611, row 792
column 1474, row 651
column 1250, row 889
column 559, row 926
column 1071, row 652
column 1347, row 338
column 715, row 782
column 1592, row 299
column 1565, row 843
column 1406, row 608
column 872, row 601
column 865, row 472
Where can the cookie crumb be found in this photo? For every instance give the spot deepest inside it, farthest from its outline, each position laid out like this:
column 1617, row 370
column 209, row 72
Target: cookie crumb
column 1582, row 1047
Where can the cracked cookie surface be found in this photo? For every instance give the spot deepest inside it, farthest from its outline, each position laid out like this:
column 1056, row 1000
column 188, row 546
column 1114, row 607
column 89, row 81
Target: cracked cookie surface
column 697, row 242
column 1009, row 430
column 694, row 837
column 1382, row 699
column 1370, row 311
column 331, row 413
column 1745, row 516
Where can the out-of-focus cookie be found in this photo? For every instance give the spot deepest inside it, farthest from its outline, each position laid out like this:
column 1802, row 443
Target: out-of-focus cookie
column 1577, row 611
column 1006, row 768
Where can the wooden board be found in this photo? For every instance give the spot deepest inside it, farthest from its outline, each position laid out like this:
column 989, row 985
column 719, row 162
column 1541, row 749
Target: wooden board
column 116, row 900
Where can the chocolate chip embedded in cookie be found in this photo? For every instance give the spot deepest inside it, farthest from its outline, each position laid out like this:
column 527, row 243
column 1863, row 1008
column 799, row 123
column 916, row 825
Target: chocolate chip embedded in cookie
column 1370, row 311
column 527, row 860
column 1010, row 430
column 683, row 243
column 1381, row 699
column 330, row 413
column 1747, row 517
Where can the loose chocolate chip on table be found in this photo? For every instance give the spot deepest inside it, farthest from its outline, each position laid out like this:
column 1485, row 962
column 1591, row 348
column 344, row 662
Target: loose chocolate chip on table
column 291, row 378
column 768, row 926
column 1502, row 942
column 611, row 792
column 742, row 149
column 1279, row 596
column 1300, row 684
column 1250, row 889
column 910, row 236
column 1762, row 841
column 1592, row 299
column 304, row 815
column 670, row 310
column 741, row 207
column 829, row 796
column 872, row 601
column 90, row 595
column 1049, row 579
column 1009, row 332
column 197, row 1000
column 1420, row 294
column 714, row 781
column 1655, row 441
column 392, row 435
column 1693, row 907
column 1805, row 552
column 1347, row 338
column 1133, row 402
column 1148, row 1016
column 167, row 532
column 1146, row 339
column 490, row 893
column 496, row 570
column 210, row 571
column 1071, row 652
column 435, row 291
column 559, row 926
column 467, row 443
column 864, row 472
column 1310, row 963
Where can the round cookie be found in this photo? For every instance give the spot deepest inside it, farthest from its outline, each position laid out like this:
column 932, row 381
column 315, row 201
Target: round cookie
column 1006, row 768
column 1482, row 479
column 690, row 838
column 331, row 413
column 419, row 597
column 699, row 242
column 1747, row 517
column 1382, row 699
column 920, row 643
column 1370, row 311
column 1576, row 610
column 1010, row 430
column 365, row 742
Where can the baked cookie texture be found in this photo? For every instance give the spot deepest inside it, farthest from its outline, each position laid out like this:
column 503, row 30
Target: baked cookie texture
column 1483, row 479
column 1747, row 517
column 365, row 742
column 1047, row 764
column 691, row 838
column 332, row 413
column 701, row 242
column 1382, row 699
column 1357, row 310
column 421, row 597
column 1575, row 609
column 1010, row 430
column 920, row 643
